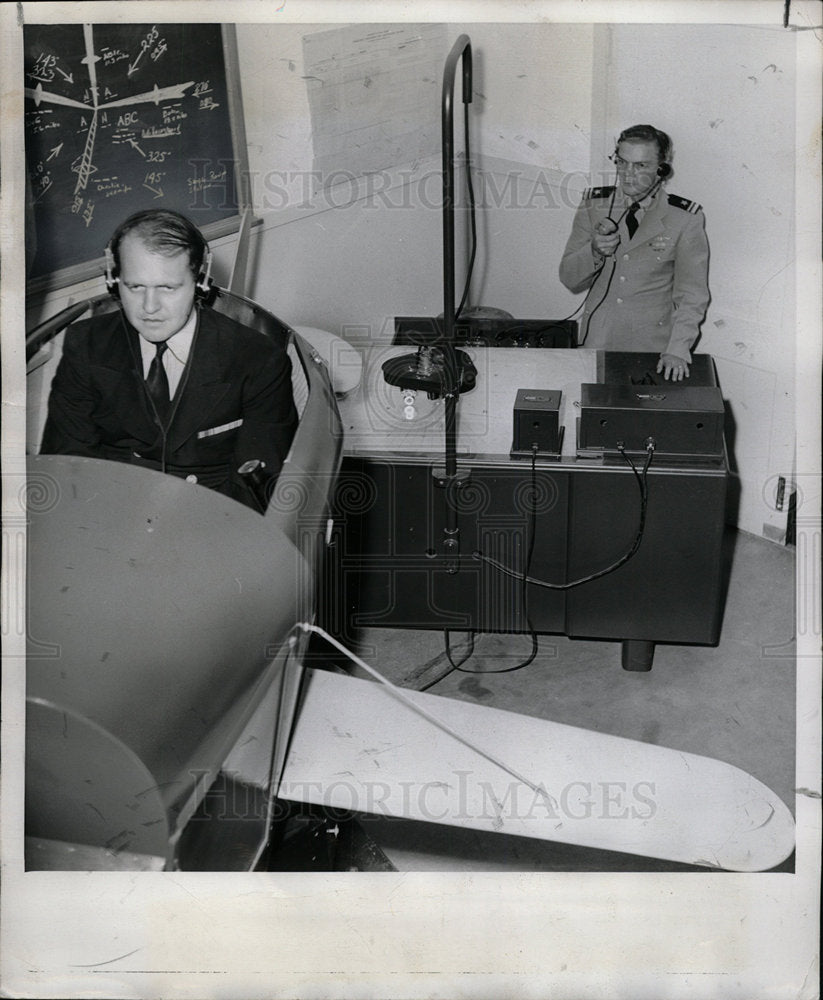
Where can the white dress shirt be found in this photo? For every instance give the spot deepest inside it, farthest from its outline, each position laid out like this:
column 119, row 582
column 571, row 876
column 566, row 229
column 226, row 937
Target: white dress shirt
column 176, row 357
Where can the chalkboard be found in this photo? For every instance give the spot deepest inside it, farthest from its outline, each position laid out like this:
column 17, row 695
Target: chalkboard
column 124, row 117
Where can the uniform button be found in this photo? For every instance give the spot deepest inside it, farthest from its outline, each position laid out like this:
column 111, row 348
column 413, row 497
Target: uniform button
column 622, row 277
column 625, row 256
column 620, row 302
column 137, row 454
column 191, row 479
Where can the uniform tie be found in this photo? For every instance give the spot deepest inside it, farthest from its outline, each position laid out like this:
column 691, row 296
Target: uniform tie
column 631, row 219
column 157, row 382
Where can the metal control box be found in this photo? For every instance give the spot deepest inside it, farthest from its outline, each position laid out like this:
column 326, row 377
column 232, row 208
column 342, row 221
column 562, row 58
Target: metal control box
column 679, row 419
column 537, row 428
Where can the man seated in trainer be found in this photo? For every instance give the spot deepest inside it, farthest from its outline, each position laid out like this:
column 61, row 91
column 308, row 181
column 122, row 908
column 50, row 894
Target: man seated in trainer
column 166, row 382
column 643, row 256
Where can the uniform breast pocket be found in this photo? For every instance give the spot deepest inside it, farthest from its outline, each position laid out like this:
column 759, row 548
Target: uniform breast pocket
column 219, row 437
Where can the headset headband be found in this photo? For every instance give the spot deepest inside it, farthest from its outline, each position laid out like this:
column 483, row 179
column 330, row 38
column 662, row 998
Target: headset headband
column 204, row 288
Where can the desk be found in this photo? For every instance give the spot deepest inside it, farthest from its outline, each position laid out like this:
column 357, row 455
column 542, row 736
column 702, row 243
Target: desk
column 388, row 563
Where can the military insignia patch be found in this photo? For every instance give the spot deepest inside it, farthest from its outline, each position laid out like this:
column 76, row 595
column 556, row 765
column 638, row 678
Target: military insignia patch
column 684, row 203
column 591, row 194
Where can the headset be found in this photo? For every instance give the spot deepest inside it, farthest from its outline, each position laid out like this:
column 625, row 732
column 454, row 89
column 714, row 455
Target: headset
column 187, row 235
column 648, row 133
column 643, row 133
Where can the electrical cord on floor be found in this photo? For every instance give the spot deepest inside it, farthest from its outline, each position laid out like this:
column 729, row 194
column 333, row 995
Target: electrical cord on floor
column 465, row 670
column 642, row 486
column 524, row 579
column 454, row 666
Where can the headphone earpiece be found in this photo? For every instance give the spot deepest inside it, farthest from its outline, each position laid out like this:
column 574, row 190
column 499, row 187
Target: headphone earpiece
column 112, row 281
column 664, row 171
column 203, row 288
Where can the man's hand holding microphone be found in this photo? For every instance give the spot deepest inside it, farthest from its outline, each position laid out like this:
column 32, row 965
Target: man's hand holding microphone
column 605, row 239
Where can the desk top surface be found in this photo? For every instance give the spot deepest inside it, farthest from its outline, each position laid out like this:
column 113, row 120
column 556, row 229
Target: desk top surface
column 376, row 418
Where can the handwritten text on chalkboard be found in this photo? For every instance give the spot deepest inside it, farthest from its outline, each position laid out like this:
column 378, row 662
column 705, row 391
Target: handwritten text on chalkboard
column 122, row 117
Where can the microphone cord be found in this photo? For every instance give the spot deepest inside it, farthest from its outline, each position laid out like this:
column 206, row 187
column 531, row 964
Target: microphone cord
column 612, row 259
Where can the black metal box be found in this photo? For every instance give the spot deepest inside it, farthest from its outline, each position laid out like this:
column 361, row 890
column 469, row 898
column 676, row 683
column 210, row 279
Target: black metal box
column 536, row 423
column 679, row 419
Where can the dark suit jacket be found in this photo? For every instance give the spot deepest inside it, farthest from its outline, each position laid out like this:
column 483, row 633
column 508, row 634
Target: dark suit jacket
column 234, row 402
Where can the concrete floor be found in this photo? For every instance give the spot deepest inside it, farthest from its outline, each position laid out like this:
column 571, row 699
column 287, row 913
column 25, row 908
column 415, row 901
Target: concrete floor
column 734, row 702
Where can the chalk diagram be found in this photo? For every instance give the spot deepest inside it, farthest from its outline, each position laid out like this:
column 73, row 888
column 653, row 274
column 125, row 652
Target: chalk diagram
column 85, row 167
column 120, row 118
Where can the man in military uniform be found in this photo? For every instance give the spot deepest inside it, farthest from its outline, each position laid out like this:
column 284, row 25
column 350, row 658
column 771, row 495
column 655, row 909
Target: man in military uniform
column 643, row 256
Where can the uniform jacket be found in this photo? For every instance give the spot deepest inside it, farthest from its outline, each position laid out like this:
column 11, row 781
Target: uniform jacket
column 234, row 402
column 653, row 294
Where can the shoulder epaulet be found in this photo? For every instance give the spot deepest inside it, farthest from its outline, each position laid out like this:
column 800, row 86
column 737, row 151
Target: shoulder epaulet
column 685, row 204
column 602, row 192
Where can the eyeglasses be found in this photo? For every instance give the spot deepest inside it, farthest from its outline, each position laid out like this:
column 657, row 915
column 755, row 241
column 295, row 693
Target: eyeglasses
column 626, row 166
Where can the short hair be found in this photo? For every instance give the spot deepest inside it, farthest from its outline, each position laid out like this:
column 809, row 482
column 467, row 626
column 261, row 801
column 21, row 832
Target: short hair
column 165, row 232
column 648, row 133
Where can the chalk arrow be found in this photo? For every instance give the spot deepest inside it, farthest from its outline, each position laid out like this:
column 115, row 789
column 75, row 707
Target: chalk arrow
column 158, row 193
column 133, row 67
column 38, row 95
column 90, row 59
column 68, row 77
column 134, row 145
column 54, row 152
column 156, row 95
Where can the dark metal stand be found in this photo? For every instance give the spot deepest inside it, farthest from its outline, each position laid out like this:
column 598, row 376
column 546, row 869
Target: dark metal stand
column 461, row 50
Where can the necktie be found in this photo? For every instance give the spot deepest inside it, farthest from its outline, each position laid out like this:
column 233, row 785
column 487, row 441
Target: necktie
column 631, row 219
column 157, row 382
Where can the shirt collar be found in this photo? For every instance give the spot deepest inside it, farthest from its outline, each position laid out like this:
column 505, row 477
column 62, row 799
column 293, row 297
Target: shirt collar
column 644, row 203
column 179, row 343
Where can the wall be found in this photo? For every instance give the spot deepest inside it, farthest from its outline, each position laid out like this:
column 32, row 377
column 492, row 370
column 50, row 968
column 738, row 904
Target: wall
column 349, row 262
